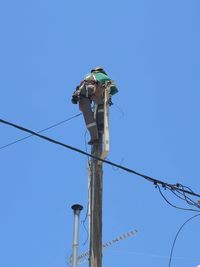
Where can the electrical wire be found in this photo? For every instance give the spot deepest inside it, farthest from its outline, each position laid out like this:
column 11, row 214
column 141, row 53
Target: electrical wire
column 148, row 178
column 87, row 211
column 176, row 236
column 188, row 199
column 43, row 130
column 181, row 194
column 184, row 197
column 174, row 206
column 86, row 230
column 155, row 181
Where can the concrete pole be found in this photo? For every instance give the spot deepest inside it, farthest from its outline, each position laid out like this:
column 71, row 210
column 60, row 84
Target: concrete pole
column 95, row 259
column 77, row 209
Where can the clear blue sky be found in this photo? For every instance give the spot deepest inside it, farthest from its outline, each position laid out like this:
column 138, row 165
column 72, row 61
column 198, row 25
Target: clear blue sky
column 152, row 50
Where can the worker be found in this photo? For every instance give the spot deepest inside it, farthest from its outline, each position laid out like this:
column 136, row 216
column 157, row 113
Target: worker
column 92, row 89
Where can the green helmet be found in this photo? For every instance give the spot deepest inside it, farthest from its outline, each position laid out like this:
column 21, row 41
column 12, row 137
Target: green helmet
column 98, row 69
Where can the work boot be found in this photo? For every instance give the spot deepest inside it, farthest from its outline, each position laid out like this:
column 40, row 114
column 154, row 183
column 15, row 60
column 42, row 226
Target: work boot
column 94, row 136
column 92, row 141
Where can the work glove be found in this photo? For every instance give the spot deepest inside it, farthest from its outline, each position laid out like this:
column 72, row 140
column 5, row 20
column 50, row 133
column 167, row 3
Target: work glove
column 74, row 99
column 110, row 103
column 75, row 96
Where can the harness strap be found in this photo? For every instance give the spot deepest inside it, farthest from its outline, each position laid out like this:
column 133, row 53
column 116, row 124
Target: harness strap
column 91, row 124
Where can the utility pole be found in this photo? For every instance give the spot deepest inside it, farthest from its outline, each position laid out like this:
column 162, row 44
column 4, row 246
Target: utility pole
column 77, row 209
column 100, row 150
column 84, row 256
column 96, row 186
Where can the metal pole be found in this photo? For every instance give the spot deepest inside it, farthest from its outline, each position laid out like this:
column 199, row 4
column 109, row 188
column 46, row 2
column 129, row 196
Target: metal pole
column 77, row 209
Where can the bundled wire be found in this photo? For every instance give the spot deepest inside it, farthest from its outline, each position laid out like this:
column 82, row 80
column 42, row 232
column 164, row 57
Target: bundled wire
column 175, row 206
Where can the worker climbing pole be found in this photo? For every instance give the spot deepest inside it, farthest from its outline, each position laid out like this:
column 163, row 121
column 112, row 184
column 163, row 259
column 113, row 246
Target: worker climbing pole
column 92, row 90
column 96, row 88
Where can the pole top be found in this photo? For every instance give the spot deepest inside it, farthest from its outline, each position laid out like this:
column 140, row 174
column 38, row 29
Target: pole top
column 77, row 207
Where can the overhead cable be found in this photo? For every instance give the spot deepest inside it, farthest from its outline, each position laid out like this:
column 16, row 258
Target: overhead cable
column 43, row 130
column 174, row 206
column 155, row 181
column 176, row 236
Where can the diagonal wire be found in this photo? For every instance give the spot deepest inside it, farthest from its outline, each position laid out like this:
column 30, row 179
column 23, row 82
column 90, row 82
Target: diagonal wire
column 43, row 130
column 148, row 178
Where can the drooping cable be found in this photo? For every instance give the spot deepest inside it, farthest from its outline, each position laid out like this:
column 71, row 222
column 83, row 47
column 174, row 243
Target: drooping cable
column 187, row 199
column 148, row 178
column 43, row 130
column 184, row 197
column 174, row 206
column 86, row 230
column 176, row 236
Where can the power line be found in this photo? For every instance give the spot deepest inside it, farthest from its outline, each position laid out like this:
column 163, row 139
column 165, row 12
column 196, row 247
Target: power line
column 176, row 236
column 183, row 196
column 43, row 130
column 172, row 205
column 174, row 187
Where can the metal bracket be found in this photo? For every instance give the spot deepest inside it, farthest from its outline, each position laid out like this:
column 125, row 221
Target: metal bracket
column 106, row 133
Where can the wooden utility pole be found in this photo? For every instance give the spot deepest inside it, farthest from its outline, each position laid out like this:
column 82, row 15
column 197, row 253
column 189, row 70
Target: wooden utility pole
column 96, row 188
